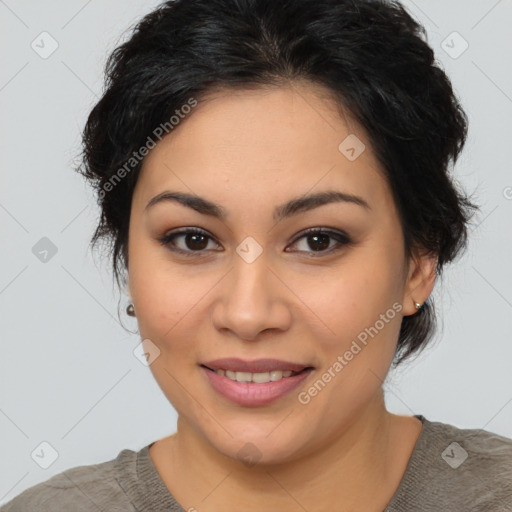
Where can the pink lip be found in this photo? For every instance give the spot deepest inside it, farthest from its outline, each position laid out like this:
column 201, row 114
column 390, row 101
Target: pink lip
column 251, row 394
column 257, row 366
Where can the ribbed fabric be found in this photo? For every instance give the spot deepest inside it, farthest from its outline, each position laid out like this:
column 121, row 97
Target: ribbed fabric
column 434, row 480
column 139, row 479
column 450, row 470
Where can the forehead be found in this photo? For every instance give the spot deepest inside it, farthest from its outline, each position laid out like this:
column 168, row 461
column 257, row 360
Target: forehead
column 293, row 139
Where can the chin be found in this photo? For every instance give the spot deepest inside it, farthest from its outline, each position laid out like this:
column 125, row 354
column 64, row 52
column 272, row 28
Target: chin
column 254, row 446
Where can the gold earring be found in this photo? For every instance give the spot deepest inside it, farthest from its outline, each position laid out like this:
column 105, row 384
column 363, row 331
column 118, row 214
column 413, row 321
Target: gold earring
column 130, row 310
column 418, row 305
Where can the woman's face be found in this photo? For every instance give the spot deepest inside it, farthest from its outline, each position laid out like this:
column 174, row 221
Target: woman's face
column 253, row 286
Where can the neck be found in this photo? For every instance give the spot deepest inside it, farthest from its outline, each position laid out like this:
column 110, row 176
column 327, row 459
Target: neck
column 370, row 449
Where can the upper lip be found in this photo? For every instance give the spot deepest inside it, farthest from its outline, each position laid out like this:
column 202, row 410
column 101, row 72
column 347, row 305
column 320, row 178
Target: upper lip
column 256, row 366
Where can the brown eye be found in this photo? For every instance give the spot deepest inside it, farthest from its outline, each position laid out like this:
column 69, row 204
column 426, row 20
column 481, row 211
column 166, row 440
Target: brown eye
column 187, row 241
column 196, row 241
column 319, row 241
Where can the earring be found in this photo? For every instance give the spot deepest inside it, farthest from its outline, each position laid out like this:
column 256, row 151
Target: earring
column 130, row 310
column 418, row 306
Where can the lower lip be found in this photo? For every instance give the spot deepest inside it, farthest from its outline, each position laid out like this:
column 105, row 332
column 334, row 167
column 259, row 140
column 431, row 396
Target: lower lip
column 251, row 394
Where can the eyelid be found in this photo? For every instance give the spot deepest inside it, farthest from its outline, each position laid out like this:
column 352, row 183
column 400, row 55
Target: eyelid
column 167, row 238
column 324, row 230
column 340, row 236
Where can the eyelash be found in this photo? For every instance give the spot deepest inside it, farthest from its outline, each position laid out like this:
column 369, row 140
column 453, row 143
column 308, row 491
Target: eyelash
column 341, row 238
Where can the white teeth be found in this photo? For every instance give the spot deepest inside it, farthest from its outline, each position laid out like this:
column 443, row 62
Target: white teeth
column 243, row 376
column 259, row 378
column 276, row 375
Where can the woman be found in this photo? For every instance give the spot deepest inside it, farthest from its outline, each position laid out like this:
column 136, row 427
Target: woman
column 274, row 180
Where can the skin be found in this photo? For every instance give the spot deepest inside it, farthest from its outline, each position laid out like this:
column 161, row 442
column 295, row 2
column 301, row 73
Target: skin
column 249, row 151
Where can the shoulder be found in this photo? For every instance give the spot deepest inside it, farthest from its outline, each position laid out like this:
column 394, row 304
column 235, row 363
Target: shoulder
column 459, row 469
column 473, row 449
column 81, row 489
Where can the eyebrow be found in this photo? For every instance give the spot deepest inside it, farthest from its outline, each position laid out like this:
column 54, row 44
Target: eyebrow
column 294, row 206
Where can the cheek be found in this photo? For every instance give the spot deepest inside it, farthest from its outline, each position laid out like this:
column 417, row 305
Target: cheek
column 155, row 293
column 361, row 316
column 169, row 299
column 352, row 298
column 162, row 302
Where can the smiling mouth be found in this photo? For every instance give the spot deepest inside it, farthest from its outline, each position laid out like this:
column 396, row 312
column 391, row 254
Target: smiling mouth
column 257, row 378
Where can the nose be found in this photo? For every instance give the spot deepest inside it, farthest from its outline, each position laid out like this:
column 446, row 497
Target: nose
column 252, row 300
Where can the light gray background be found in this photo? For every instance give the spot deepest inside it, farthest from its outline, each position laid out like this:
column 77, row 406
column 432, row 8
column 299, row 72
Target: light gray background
column 68, row 373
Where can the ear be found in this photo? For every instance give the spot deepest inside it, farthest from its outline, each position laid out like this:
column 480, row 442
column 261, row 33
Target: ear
column 420, row 281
